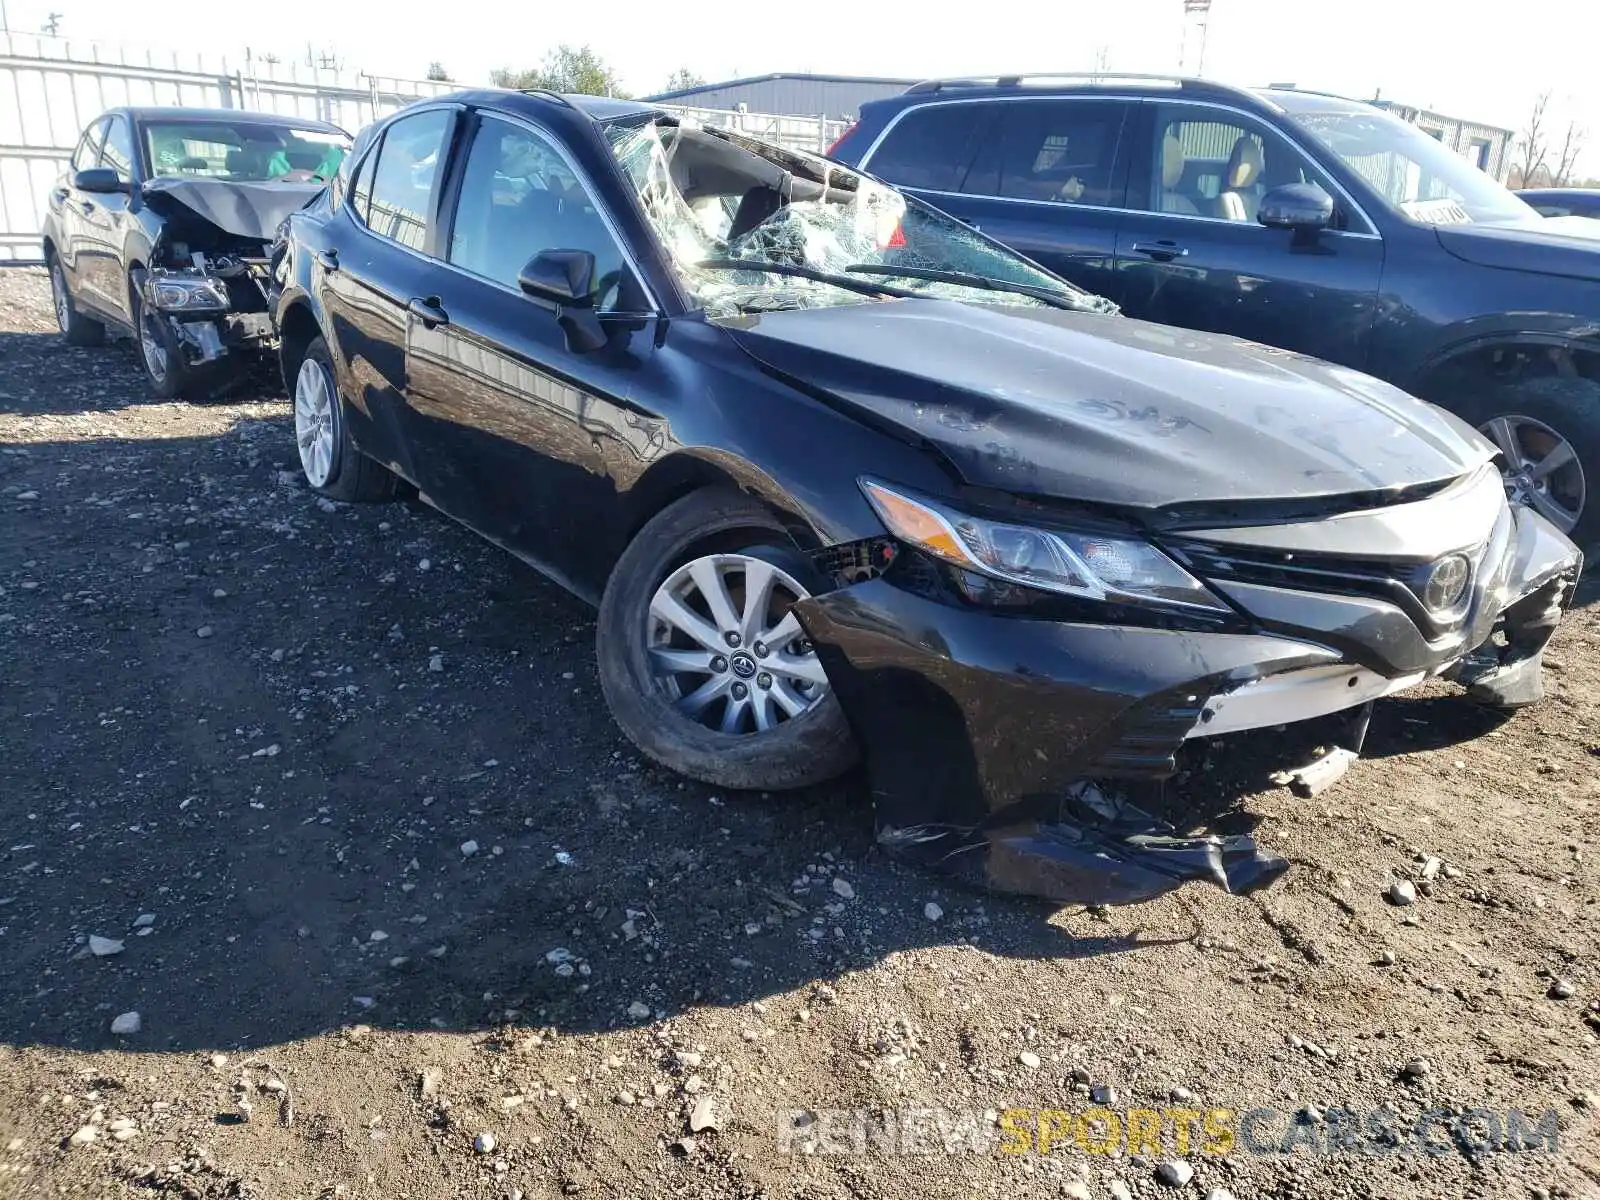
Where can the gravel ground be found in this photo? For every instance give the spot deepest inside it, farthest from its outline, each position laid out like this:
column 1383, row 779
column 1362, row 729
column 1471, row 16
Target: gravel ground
column 328, row 796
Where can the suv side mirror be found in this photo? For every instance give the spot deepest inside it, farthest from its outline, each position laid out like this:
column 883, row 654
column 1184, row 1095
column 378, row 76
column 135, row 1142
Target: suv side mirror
column 565, row 279
column 1302, row 207
column 100, row 180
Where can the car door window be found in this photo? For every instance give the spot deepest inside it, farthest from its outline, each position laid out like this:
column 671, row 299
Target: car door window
column 117, row 153
column 1063, row 151
column 519, row 196
column 87, row 154
column 1208, row 162
column 399, row 201
column 931, row 147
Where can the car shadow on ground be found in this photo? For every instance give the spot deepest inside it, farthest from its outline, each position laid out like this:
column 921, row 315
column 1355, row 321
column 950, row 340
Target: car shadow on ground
column 308, row 765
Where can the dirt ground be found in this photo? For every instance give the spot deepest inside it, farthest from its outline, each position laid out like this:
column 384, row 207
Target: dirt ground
column 380, row 877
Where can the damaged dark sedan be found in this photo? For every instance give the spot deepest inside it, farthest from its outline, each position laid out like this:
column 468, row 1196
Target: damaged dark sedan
column 162, row 225
column 849, row 480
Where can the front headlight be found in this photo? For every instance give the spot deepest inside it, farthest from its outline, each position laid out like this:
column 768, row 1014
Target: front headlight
column 1091, row 566
column 189, row 294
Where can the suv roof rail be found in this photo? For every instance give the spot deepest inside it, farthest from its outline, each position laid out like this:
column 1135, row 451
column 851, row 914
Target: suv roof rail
column 1107, row 77
column 548, row 95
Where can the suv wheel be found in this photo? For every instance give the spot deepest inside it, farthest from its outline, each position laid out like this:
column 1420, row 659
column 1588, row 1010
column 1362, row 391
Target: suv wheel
column 1548, row 431
column 78, row 329
column 702, row 660
column 161, row 355
column 328, row 458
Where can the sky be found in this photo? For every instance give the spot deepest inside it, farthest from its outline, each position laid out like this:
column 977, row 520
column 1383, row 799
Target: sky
column 1477, row 59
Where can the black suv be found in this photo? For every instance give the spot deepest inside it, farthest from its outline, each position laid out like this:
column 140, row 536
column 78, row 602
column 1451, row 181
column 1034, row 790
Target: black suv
column 1306, row 221
column 161, row 227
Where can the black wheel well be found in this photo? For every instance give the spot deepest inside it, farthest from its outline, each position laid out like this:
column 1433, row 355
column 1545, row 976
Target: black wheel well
column 297, row 329
column 684, row 474
column 1509, row 361
column 50, row 251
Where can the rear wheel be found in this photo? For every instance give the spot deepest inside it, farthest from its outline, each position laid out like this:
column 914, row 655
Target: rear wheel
column 702, row 659
column 329, row 459
column 78, row 329
column 1548, row 431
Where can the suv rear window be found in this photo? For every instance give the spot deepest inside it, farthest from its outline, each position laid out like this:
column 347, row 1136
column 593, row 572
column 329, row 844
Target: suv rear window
column 930, row 147
column 1060, row 150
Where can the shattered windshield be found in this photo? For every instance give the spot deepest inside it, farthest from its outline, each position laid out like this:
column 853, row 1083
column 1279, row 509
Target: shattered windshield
column 1414, row 172
column 751, row 227
column 243, row 152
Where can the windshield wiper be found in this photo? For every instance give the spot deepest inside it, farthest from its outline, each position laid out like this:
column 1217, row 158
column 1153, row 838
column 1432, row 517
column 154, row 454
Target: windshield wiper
column 860, row 286
column 1086, row 302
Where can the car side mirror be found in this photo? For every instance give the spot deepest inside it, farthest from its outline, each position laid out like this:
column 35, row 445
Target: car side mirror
column 100, row 180
column 1302, row 207
column 565, row 278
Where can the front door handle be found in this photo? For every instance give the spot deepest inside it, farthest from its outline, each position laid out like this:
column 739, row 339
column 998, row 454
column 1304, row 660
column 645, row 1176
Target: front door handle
column 1162, row 251
column 328, row 260
column 427, row 311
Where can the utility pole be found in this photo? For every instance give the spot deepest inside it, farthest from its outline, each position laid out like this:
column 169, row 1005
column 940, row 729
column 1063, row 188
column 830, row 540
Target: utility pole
column 53, row 23
column 1192, row 51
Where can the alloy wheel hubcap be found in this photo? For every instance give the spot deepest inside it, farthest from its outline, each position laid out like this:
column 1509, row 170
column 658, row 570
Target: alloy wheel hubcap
column 1542, row 469
column 726, row 648
column 314, row 422
column 58, row 289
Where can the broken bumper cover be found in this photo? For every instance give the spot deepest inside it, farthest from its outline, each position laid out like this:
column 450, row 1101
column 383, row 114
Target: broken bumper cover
column 981, row 729
column 201, row 314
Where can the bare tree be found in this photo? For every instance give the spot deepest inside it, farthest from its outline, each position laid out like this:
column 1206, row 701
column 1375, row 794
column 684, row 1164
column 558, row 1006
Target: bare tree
column 1571, row 147
column 1532, row 142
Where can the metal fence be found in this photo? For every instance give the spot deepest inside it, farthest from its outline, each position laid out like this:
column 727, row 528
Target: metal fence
column 51, row 88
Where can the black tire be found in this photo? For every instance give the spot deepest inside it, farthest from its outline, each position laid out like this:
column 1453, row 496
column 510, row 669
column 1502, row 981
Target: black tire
column 168, row 373
column 77, row 329
column 352, row 476
column 809, row 749
column 1570, row 407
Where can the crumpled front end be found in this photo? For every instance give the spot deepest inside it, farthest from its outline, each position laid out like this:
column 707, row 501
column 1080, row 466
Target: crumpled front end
column 212, row 307
column 998, row 743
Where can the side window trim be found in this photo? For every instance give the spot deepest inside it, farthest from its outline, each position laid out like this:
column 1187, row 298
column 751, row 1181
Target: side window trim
column 455, row 112
column 452, row 191
column 94, row 137
column 1249, row 121
column 133, row 173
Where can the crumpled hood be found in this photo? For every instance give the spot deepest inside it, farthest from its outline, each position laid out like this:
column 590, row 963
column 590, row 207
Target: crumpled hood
column 247, row 210
column 1110, row 410
column 1549, row 245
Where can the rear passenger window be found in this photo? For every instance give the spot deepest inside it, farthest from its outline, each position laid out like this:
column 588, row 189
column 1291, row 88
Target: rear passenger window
column 1066, row 151
column 404, row 179
column 930, row 147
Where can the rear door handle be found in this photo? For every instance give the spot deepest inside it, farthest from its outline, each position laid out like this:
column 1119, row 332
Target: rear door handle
column 428, row 312
column 1162, row 251
column 328, row 260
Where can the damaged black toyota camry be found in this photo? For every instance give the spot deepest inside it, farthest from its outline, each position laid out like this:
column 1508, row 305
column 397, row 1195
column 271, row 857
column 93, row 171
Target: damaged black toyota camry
column 162, row 226
column 848, row 479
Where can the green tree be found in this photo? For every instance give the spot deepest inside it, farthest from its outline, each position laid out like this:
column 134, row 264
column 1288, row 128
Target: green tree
column 437, row 73
column 564, row 69
column 683, row 78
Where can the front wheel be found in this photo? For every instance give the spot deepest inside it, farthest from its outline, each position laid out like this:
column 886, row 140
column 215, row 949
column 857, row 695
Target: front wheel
column 1548, row 432
column 161, row 354
column 702, row 660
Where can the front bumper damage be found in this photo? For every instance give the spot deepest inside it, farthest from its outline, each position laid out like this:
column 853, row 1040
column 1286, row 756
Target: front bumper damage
column 998, row 746
column 211, row 309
